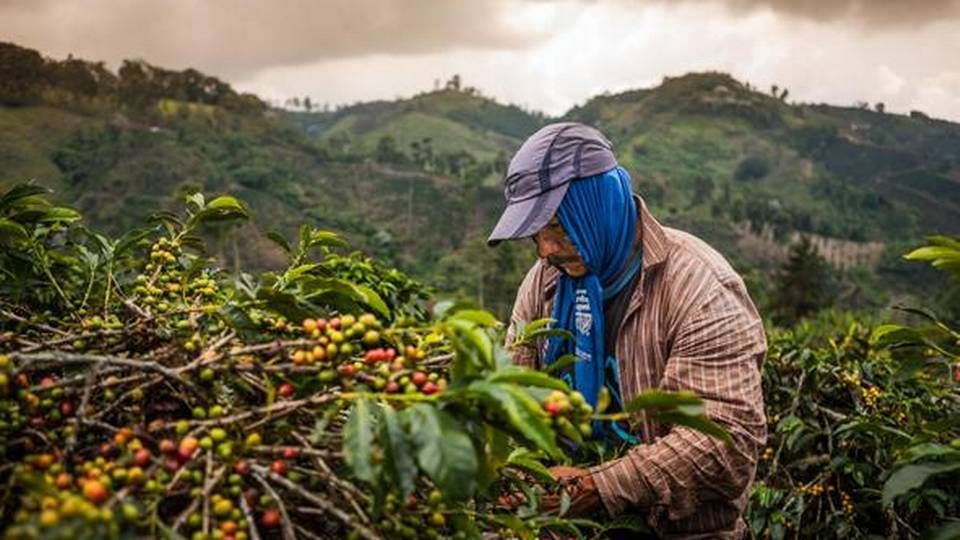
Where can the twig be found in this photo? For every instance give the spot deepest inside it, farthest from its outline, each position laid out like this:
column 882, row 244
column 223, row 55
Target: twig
column 42, row 326
column 830, row 412
column 305, row 532
column 811, row 461
column 81, row 411
column 120, row 399
column 206, row 494
column 209, row 355
column 248, row 513
column 304, row 451
column 283, row 406
column 349, row 490
column 70, row 338
column 325, row 505
column 136, row 309
column 288, row 533
column 38, row 360
column 209, row 484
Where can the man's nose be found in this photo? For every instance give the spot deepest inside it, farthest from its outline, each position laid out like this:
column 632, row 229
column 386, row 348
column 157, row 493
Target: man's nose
column 546, row 247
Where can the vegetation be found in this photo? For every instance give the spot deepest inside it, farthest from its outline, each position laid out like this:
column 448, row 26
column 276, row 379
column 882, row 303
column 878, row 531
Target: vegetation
column 145, row 391
column 159, row 377
column 425, row 173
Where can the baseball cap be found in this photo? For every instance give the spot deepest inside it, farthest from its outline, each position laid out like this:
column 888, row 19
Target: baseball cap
column 540, row 172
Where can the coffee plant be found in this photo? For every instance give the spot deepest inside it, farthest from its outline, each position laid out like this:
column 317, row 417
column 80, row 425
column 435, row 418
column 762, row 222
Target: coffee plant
column 145, row 392
column 864, row 426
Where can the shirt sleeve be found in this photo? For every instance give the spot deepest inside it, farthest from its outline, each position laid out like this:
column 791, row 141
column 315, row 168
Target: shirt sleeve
column 717, row 352
column 525, row 309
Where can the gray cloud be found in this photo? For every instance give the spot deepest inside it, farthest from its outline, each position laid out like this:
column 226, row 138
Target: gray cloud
column 237, row 38
column 868, row 14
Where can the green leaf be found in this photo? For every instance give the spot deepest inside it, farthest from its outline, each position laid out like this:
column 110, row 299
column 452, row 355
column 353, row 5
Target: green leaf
column 533, row 326
column 19, row 192
column 514, row 524
column 129, row 240
column 890, row 333
column 561, row 363
column 524, row 460
column 910, row 477
column 358, row 438
column 473, row 346
column 444, row 308
column 696, row 422
column 483, row 318
column 279, row 240
column 296, row 272
column 526, row 377
column 60, row 213
column 168, row 219
column 167, row 533
column 945, row 241
column 929, row 450
column 947, row 531
column 11, row 232
column 196, row 199
column 688, row 402
column 521, row 410
column 545, row 333
column 934, row 253
column 223, row 208
column 444, row 450
column 371, row 298
column 398, row 454
column 325, row 238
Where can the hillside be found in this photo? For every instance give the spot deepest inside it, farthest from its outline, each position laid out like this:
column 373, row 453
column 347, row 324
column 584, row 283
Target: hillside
column 417, row 181
column 708, row 140
column 120, row 159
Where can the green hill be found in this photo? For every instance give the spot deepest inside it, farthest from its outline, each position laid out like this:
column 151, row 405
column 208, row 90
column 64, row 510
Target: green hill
column 417, row 181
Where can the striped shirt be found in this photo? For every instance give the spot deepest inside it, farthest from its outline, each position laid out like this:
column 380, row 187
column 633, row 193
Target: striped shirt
column 690, row 325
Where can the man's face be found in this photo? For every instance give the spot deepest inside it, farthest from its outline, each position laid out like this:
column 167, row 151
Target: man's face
column 554, row 246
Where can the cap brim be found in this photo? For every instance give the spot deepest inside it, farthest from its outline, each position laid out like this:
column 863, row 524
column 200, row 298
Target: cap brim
column 525, row 218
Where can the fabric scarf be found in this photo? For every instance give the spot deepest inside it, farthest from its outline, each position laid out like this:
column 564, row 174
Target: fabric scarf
column 599, row 216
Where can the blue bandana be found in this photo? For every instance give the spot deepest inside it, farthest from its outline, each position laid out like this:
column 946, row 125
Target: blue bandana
column 599, row 216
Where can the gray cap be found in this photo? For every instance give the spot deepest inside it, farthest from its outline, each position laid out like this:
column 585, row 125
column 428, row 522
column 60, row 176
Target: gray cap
column 540, row 172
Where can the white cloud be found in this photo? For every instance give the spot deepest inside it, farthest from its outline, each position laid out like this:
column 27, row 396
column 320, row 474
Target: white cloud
column 890, row 83
column 548, row 55
column 939, row 95
column 600, row 47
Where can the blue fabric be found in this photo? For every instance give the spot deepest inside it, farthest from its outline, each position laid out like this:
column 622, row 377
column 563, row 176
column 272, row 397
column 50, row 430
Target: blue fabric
column 599, row 216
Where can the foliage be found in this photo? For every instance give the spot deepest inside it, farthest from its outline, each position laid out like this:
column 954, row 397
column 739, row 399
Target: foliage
column 752, row 168
column 864, row 427
column 144, row 391
column 803, row 284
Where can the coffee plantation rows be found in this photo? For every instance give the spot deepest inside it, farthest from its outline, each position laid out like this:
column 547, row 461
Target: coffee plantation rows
column 145, row 392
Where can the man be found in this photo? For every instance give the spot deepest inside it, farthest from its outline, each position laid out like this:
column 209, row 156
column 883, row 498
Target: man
column 650, row 307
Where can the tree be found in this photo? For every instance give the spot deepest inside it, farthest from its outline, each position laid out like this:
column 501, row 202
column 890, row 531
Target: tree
column 387, row 152
column 21, row 75
column 879, row 107
column 784, row 94
column 307, row 104
column 454, row 83
column 702, row 190
column 752, row 168
column 774, row 89
column 803, row 285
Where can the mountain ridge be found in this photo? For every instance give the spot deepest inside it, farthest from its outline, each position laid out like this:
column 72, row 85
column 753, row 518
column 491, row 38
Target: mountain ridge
column 417, row 181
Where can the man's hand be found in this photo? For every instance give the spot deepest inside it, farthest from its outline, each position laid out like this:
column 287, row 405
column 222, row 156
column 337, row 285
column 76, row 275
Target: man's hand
column 579, row 485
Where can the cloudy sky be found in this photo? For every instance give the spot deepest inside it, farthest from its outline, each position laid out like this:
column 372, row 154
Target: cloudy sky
column 544, row 54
